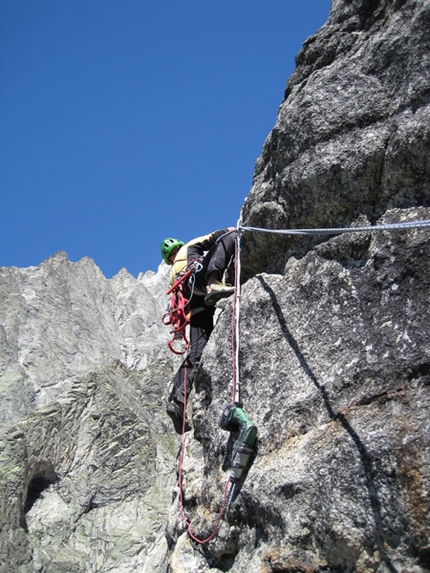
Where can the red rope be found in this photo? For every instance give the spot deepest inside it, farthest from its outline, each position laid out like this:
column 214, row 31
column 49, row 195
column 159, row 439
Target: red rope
column 180, row 482
column 182, row 452
column 178, row 314
column 179, row 281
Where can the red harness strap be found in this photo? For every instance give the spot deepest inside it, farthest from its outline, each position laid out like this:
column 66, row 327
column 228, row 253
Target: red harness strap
column 178, row 313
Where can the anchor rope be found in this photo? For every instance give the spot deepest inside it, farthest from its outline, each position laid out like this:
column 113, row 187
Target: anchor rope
column 339, row 230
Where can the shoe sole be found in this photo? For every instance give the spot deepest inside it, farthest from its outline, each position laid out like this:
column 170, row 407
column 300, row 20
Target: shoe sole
column 177, row 419
column 213, row 297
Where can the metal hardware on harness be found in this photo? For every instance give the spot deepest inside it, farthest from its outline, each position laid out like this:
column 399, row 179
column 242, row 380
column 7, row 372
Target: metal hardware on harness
column 196, row 266
column 178, row 313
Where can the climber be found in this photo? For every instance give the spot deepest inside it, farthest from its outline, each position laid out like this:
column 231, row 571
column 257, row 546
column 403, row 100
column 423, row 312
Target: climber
column 209, row 256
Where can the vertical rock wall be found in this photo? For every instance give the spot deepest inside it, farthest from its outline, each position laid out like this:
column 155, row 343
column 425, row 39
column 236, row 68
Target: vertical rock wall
column 351, row 136
column 335, row 332
column 87, row 457
column 334, row 358
column 335, row 372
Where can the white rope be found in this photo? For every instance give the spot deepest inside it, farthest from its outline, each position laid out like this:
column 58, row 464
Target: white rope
column 339, row 230
column 327, row 231
column 237, row 312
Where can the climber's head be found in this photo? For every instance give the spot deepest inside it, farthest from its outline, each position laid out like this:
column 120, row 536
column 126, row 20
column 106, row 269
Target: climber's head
column 168, row 247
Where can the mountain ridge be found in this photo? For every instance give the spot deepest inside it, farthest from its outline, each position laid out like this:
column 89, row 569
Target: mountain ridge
column 334, row 354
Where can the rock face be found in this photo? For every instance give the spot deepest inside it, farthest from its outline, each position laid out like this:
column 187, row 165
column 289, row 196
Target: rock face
column 335, row 373
column 62, row 319
column 334, row 355
column 87, row 457
column 351, row 137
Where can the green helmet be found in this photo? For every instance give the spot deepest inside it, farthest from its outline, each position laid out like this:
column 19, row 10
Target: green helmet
column 167, row 247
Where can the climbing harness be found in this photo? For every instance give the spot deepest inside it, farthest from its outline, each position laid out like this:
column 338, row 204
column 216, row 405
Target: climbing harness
column 178, row 312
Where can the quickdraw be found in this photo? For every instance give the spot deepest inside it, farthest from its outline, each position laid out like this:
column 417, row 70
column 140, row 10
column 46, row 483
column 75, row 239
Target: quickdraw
column 178, row 313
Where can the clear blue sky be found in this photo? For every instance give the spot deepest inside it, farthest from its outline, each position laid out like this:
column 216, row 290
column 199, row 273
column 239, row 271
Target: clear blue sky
column 123, row 122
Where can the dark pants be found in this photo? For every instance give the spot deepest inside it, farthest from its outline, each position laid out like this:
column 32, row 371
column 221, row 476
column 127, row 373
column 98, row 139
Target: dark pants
column 201, row 326
column 216, row 259
column 201, row 323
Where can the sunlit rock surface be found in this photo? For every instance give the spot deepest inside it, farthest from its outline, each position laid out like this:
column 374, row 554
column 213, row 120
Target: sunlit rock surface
column 335, row 373
column 351, row 136
column 334, row 355
column 87, row 456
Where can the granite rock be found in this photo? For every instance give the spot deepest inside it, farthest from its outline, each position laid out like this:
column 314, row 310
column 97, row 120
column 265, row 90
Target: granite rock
column 334, row 361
